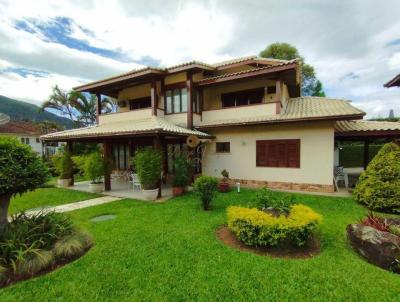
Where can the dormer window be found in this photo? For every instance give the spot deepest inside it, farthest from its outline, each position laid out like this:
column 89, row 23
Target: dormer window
column 242, row 98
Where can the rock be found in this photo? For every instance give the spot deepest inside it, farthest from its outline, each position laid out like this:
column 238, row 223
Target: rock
column 379, row 248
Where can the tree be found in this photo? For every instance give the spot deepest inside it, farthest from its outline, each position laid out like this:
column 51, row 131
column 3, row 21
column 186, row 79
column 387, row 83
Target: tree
column 284, row 51
column 391, row 114
column 21, row 170
column 77, row 106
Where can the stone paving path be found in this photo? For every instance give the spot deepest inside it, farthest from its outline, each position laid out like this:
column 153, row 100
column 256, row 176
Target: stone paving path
column 76, row 205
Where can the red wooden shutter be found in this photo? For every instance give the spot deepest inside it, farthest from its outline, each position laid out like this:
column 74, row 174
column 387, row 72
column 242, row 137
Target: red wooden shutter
column 278, row 153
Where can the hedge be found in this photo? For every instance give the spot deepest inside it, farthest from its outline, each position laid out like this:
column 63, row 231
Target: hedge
column 258, row 228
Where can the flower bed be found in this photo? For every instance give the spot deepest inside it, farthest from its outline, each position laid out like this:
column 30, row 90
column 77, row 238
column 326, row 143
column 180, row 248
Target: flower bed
column 32, row 245
column 255, row 227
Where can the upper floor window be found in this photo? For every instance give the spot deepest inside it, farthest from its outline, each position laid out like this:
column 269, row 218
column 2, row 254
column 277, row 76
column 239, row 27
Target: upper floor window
column 242, row 98
column 140, row 103
column 27, row 140
column 176, row 100
column 23, row 140
column 37, row 140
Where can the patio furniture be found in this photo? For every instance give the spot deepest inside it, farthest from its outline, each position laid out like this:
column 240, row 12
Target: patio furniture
column 339, row 175
column 134, row 179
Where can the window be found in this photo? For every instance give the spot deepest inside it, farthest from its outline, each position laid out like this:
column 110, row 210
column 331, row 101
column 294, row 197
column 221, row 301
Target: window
column 140, row 103
column 27, row 140
column 223, row 147
column 37, row 140
column 278, row 153
column 23, row 140
column 176, row 100
column 242, row 98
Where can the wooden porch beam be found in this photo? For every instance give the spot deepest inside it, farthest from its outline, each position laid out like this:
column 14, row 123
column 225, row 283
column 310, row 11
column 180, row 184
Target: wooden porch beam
column 278, row 95
column 153, row 95
column 70, row 150
column 107, row 159
column 157, row 146
column 189, row 87
column 98, row 107
column 366, row 153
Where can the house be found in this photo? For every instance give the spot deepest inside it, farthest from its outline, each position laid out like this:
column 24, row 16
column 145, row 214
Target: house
column 248, row 114
column 393, row 82
column 28, row 133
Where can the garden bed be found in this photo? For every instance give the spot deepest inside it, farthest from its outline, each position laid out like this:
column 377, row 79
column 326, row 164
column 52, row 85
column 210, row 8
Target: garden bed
column 312, row 248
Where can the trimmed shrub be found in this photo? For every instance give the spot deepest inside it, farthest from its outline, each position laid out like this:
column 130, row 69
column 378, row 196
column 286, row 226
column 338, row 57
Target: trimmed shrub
column 148, row 164
column 258, row 228
column 94, row 167
column 206, row 187
column 379, row 185
column 63, row 164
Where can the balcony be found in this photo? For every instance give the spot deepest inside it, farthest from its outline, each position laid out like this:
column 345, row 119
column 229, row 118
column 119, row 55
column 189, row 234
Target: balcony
column 125, row 116
column 239, row 112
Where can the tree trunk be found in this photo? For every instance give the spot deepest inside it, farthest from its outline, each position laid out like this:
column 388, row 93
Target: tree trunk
column 4, row 203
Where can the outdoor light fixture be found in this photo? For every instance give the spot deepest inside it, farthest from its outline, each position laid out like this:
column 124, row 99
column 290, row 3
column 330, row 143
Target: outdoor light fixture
column 238, row 187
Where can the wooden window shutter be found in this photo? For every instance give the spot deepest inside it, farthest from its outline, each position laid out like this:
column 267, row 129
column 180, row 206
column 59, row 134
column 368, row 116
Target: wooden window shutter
column 278, row 153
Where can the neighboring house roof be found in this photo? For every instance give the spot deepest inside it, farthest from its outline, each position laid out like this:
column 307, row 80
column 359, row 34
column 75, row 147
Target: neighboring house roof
column 146, row 71
column 393, row 82
column 20, row 128
column 365, row 126
column 4, row 118
column 144, row 126
column 298, row 109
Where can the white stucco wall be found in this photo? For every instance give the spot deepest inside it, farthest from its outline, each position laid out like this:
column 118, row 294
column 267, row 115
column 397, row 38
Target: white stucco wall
column 316, row 153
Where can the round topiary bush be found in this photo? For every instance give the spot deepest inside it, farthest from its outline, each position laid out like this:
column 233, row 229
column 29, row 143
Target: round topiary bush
column 379, row 185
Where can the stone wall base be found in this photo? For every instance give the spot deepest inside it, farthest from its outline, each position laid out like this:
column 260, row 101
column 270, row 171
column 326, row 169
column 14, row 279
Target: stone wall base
column 283, row 185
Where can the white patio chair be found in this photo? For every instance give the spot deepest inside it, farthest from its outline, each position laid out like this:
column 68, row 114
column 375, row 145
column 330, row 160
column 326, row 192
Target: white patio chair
column 137, row 186
column 339, row 175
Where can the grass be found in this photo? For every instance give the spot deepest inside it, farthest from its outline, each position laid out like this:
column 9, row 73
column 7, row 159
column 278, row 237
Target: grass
column 47, row 197
column 169, row 252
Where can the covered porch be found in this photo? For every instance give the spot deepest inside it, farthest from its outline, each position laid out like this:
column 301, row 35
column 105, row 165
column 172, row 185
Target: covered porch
column 364, row 139
column 119, row 142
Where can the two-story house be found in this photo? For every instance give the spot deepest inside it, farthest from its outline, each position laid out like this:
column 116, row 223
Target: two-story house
column 248, row 114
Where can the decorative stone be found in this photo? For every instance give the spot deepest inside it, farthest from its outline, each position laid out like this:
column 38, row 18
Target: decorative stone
column 379, row 248
column 103, row 218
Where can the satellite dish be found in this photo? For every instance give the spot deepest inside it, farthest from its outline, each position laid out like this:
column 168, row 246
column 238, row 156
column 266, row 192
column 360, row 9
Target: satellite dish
column 4, row 119
column 192, row 141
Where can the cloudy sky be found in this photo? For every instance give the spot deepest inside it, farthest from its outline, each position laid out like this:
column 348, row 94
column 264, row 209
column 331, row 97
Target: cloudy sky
column 354, row 45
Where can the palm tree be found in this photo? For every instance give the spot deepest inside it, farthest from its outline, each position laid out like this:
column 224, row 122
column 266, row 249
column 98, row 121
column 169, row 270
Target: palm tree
column 79, row 107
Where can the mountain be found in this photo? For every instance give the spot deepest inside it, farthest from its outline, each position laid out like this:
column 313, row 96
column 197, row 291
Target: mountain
column 18, row 110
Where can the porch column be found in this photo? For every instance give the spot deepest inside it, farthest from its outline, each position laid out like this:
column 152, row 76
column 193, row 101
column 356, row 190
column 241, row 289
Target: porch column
column 98, row 107
column 153, row 95
column 278, row 95
column 157, row 146
column 165, row 159
column 189, row 87
column 70, row 149
column 107, row 159
column 366, row 153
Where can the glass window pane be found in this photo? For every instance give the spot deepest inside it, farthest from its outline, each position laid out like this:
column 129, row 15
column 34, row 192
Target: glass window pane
column 168, row 99
column 228, row 100
column 184, row 99
column 177, row 100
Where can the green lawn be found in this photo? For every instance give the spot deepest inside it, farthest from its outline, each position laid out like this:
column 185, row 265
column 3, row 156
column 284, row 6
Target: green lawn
column 169, row 252
column 47, row 197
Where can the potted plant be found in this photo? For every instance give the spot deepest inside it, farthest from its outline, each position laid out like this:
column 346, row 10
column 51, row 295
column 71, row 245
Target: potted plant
column 181, row 176
column 64, row 167
column 94, row 170
column 148, row 164
column 223, row 186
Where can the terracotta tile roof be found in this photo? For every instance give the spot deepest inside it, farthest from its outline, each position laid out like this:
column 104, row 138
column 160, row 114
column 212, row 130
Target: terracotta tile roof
column 4, row 118
column 365, row 126
column 143, row 126
column 183, row 66
column 393, row 82
column 19, row 127
column 297, row 109
column 226, row 75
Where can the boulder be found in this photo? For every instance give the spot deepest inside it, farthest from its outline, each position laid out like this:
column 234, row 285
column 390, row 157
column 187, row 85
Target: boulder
column 379, row 248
